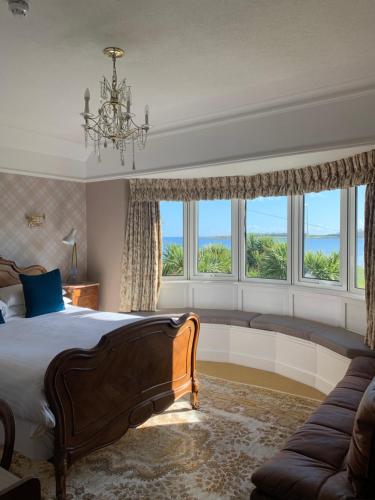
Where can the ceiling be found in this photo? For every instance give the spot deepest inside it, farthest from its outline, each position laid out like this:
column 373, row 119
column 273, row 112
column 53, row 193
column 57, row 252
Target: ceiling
column 187, row 59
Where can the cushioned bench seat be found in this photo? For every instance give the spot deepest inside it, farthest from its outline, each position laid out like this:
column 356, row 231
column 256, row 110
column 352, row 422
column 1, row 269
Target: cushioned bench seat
column 337, row 339
column 216, row 316
column 340, row 340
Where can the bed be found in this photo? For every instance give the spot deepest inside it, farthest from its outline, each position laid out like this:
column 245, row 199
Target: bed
column 90, row 376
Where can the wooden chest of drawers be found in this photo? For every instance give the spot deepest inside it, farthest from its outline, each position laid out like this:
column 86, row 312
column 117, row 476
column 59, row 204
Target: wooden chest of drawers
column 83, row 294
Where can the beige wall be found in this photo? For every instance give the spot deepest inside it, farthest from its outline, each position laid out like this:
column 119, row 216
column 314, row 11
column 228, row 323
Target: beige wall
column 107, row 204
column 64, row 205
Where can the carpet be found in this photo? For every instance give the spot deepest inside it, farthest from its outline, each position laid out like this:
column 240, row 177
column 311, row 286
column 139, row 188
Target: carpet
column 185, row 454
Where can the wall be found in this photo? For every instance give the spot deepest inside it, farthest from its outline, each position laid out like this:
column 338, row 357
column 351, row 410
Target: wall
column 106, row 215
column 64, row 205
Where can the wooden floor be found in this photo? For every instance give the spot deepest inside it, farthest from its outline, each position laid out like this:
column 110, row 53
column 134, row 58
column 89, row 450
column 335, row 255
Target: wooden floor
column 258, row 377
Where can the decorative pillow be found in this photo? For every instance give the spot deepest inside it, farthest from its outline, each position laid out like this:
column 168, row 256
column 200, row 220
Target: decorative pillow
column 43, row 293
column 12, row 295
column 2, row 321
column 361, row 454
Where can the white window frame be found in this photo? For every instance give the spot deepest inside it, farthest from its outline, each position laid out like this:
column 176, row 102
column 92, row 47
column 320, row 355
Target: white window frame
column 352, row 244
column 194, row 274
column 242, row 237
column 298, row 222
column 185, row 247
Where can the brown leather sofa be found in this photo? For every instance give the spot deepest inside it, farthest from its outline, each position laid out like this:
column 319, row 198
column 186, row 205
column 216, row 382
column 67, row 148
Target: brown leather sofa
column 331, row 456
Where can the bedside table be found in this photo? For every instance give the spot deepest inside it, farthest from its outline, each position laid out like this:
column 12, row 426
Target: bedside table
column 83, row 294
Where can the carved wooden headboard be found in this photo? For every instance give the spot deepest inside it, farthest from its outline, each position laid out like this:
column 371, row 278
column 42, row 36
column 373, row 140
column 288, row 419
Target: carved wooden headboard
column 9, row 272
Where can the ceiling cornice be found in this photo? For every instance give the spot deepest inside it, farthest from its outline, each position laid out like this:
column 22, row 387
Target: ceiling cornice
column 327, row 95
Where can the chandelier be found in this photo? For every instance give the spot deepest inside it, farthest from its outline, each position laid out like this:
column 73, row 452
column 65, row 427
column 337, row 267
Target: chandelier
column 114, row 124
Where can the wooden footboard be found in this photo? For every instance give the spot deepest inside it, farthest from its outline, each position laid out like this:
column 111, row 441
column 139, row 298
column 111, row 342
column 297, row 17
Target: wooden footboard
column 135, row 371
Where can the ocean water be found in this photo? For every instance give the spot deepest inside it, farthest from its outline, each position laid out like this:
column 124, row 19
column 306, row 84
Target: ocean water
column 324, row 244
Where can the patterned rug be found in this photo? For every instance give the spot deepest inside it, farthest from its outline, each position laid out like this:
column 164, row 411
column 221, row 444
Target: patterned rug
column 184, row 454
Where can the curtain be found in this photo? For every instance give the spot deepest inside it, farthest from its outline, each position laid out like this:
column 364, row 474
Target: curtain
column 141, row 263
column 352, row 171
column 370, row 263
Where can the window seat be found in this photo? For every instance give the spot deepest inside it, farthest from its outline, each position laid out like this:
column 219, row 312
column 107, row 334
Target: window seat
column 337, row 339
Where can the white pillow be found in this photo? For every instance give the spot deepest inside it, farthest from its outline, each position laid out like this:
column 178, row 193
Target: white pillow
column 16, row 311
column 67, row 300
column 12, row 295
column 3, row 309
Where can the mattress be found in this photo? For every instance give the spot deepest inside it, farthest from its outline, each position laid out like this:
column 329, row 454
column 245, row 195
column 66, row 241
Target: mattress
column 27, row 346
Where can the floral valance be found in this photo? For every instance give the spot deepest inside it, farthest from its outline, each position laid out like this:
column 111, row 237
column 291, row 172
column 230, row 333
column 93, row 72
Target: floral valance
column 344, row 173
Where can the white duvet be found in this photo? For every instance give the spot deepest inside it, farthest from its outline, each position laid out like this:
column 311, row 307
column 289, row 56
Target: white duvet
column 27, row 346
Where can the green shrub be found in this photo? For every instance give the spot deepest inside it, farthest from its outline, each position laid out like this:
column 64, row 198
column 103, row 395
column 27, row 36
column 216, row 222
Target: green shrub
column 214, row 258
column 173, row 260
column 274, row 262
column 321, row 266
column 265, row 258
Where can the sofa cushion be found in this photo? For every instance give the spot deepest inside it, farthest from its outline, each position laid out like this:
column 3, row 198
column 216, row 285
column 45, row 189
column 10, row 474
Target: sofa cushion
column 290, row 475
column 334, row 417
column 321, row 443
column 337, row 339
column 361, row 455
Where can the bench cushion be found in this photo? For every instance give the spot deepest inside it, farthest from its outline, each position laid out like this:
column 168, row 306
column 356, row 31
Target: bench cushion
column 340, row 340
column 216, row 316
column 336, row 339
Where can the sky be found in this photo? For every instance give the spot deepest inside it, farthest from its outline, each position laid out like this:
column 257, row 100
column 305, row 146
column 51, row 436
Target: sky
column 263, row 215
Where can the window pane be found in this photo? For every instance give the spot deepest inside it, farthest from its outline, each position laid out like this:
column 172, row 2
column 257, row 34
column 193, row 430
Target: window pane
column 360, row 242
column 172, row 227
column 267, row 238
column 321, row 242
column 214, row 236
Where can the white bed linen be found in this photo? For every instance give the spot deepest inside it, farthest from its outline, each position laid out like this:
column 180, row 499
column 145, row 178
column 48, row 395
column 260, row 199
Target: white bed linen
column 27, row 346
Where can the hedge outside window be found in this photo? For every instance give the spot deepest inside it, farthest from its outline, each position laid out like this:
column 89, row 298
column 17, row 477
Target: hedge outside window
column 321, row 235
column 172, row 227
column 214, row 237
column 359, row 239
column 266, row 238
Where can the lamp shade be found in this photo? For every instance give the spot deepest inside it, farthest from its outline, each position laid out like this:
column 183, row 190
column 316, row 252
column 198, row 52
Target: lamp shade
column 71, row 238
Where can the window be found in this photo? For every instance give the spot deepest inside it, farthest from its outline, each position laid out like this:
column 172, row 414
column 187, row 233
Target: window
column 172, row 227
column 315, row 240
column 322, row 236
column 214, row 245
column 359, row 237
column 266, row 238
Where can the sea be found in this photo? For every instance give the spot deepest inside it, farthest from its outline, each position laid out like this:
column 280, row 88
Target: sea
column 326, row 244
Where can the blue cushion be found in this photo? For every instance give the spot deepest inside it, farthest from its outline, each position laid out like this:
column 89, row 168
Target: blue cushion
column 43, row 293
column 1, row 318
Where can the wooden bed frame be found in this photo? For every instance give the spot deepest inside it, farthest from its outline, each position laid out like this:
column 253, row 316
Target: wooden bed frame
column 133, row 372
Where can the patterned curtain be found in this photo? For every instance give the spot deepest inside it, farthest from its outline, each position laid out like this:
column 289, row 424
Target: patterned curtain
column 141, row 263
column 353, row 171
column 370, row 263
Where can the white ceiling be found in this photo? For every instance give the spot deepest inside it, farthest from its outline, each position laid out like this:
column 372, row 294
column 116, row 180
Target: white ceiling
column 186, row 59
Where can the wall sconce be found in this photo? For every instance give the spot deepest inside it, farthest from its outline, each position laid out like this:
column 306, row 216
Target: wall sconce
column 35, row 221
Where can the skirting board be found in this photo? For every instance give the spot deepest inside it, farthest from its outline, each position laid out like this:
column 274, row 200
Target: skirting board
column 297, row 359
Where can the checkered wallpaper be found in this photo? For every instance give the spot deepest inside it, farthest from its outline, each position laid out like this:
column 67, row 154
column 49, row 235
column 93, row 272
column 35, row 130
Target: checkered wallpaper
column 64, row 205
